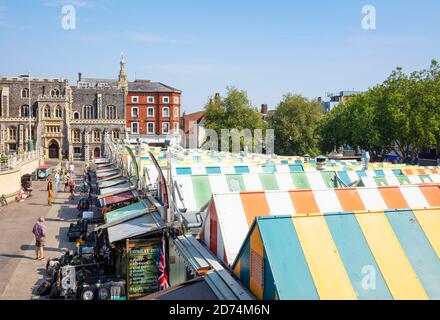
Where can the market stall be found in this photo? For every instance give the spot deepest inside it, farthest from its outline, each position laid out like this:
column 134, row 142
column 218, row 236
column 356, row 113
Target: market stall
column 230, row 215
column 329, row 256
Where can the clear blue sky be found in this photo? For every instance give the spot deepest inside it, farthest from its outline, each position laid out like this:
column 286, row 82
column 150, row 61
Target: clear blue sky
column 267, row 48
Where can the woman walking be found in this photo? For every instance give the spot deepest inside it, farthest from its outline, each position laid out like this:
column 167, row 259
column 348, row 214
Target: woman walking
column 49, row 191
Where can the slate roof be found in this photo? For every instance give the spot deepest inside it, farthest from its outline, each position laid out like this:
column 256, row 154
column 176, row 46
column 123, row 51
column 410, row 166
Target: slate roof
column 148, row 86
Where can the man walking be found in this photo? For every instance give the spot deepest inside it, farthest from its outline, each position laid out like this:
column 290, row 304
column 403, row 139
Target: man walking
column 39, row 232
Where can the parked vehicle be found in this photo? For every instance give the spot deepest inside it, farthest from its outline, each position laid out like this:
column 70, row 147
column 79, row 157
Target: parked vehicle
column 43, row 172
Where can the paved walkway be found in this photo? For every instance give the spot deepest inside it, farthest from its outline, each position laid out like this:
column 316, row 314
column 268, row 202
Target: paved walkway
column 20, row 273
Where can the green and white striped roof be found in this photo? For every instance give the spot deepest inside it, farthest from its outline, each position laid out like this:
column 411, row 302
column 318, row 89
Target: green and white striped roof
column 197, row 189
column 372, row 182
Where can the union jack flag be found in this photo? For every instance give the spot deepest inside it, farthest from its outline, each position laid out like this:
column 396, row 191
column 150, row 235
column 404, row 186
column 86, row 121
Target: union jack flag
column 163, row 276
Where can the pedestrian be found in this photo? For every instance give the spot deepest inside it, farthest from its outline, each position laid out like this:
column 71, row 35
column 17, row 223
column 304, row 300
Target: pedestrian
column 72, row 169
column 39, row 231
column 66, row 182
column 72, row 189
column 57, row 181
column 49, row 191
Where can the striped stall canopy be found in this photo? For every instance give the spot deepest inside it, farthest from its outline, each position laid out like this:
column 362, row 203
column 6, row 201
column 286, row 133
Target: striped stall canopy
column 351, row 176
column 230, row 215
column 236, row 169
column 379, row 255
column 197, row 189
column 421, row 171
column 400, row 180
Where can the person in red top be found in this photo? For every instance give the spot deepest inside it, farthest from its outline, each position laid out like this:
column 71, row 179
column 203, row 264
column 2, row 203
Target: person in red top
column 39, row 231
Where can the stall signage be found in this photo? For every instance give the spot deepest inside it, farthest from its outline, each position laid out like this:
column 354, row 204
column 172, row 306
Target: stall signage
column 143, row 263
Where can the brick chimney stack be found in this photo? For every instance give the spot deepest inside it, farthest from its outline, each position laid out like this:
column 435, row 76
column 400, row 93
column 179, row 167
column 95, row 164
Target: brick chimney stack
column 264, row 109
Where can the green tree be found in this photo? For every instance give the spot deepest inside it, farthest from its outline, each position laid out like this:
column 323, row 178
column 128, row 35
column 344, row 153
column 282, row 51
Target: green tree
column 401, row 114
column 235, row 111
column 295, row 122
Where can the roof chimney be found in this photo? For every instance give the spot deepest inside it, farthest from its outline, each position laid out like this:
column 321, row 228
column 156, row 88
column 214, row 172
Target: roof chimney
column 264, row 109
column 79, row 76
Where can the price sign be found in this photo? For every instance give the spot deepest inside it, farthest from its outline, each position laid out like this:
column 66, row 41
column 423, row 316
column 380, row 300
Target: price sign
column 142, row 267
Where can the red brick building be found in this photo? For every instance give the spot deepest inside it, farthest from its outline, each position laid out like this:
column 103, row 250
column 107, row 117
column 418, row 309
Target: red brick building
column 152, row 110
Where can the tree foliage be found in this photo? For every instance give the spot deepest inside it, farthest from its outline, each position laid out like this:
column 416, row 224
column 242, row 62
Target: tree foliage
column 295, row 121
column 235, row 111
column 401, row 114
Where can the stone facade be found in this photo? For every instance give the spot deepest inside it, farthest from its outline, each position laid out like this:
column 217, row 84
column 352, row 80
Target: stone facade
column 67, row 121
column 16, row 117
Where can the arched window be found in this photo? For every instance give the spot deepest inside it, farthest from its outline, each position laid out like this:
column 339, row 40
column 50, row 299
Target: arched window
column 115, row 134
column 12, row 133
column 34, row 111
column 24, row 111
column 96, row 135
column 87, row 112
column 47, row 113
column 76, row 134
column 54, row 93
column 76, row 115
column 58, row 112
column 25, row 93
column 111, row 112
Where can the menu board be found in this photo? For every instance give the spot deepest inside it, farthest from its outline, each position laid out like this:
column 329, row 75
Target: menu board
column 142, row 267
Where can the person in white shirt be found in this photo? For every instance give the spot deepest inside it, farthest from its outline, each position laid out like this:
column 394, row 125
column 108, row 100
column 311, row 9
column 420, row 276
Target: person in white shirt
column 57, row 181
column 72, row 169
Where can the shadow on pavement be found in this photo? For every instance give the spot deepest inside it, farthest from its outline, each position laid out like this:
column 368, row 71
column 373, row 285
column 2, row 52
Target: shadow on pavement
column 46, row 249
column 16, row 256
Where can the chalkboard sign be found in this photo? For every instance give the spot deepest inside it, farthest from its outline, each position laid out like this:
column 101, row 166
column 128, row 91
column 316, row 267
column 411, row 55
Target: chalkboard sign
column 142, row 267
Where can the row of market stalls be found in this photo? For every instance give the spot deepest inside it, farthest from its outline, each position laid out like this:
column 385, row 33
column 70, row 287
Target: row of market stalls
column 149, row 250
column 292, row 231
column 240, row 228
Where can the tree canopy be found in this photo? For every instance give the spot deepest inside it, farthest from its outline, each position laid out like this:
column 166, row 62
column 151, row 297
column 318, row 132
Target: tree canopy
column 401, row 114
column 295, row 121
column 235, row 111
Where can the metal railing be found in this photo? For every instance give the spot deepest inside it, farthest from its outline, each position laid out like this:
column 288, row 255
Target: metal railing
column 9, row 162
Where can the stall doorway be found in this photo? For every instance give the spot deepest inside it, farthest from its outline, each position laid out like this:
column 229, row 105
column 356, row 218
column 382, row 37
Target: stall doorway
column 54, row 150
column 97, row 153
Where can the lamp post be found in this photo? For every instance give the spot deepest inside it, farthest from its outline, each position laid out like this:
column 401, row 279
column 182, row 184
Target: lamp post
column 30, row 142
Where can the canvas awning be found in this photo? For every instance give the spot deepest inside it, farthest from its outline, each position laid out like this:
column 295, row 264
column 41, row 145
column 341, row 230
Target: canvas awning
column 107, row 178
column 114, row 190
column 197, row 189
column 400, row 180
column 230, row 215
column 104, row 168
column 375, row 255
column 143, row 225
column 122, row 197
column 106, row 173
column 112, row 182
column 126, row 212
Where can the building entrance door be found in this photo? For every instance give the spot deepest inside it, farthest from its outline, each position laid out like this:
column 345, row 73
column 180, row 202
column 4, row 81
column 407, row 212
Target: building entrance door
column 97, row 153
column 54, row 150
